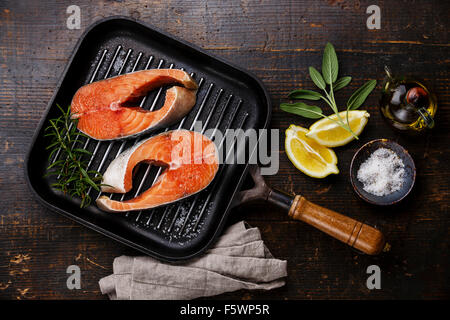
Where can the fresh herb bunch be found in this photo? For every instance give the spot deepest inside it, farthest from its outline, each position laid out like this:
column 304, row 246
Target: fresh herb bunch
column 329, row 76
column 72, row 178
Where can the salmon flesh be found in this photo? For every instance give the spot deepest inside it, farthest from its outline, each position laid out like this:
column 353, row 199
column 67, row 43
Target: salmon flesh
column 106, row 109
column 190, row 159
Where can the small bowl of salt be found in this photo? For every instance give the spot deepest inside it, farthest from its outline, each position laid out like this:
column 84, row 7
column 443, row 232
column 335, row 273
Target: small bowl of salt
column 382, row 172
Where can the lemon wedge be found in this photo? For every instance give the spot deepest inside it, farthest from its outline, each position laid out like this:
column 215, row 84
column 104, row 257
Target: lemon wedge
column 307, row 155
column 330, row 134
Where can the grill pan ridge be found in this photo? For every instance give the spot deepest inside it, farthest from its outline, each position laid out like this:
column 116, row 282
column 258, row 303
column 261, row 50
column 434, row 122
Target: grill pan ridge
column 228, row 97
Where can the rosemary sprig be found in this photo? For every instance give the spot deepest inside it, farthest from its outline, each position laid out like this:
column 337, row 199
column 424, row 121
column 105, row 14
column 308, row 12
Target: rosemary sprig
column 69, row 168
column 330, row 69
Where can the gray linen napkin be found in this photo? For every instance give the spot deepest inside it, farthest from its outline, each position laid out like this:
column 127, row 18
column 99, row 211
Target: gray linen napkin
column 239, row 260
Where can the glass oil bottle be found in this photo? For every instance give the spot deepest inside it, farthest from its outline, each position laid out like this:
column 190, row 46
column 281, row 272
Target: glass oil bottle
column 407, row 104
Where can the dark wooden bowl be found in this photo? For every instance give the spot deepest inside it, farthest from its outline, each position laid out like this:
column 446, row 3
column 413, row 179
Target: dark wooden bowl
column 363, row 153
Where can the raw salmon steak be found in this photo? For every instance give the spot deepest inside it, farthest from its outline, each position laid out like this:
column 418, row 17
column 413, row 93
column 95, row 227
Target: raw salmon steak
column 106, row 109
column 190, row 160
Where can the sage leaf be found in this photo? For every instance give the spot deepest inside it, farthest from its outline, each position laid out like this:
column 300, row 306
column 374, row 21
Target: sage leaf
column 341, row 83
column 360, row 95
column 316, row 77
column 330, row 67
column 302, row 109
column 329, row 75
column 304, row 94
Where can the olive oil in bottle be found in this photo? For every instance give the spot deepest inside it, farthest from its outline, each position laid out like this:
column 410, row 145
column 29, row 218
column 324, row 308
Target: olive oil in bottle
column 407, row 104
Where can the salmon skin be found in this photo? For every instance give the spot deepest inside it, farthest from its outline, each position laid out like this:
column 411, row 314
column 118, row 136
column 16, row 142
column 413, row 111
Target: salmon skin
column 190, row 159
column 105, row 110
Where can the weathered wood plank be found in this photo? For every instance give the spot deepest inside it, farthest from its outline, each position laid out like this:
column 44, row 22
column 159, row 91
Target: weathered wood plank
column 277, row 41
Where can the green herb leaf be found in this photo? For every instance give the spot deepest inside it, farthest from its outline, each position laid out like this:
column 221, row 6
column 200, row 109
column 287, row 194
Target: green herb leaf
column 316, row 77
column 302, row 109
column 82, row 151
column 56, row 163
column 360, row 95
column 304, row 94
column 341, row 83
column 330, row 70
column 330, row 67
column 88, row 179
column 72, row 179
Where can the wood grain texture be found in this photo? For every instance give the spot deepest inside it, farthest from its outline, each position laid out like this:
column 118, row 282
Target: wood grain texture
column 277, row 41
column 356, row 234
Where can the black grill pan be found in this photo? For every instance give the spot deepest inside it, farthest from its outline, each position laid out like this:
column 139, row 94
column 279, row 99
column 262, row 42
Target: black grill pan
column 228, row 97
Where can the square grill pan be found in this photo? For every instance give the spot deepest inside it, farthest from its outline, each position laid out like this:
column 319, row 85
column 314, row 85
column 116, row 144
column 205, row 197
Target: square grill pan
column 228, row 97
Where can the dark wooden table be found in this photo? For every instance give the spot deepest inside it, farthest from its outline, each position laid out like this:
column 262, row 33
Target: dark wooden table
column 276, row 40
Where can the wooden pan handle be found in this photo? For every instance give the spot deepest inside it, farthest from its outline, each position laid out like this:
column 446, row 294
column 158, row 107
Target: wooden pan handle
column 354, row 233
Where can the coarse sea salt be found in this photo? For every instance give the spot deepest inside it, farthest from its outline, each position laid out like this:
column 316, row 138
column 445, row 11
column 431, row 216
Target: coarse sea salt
column 382, row 173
